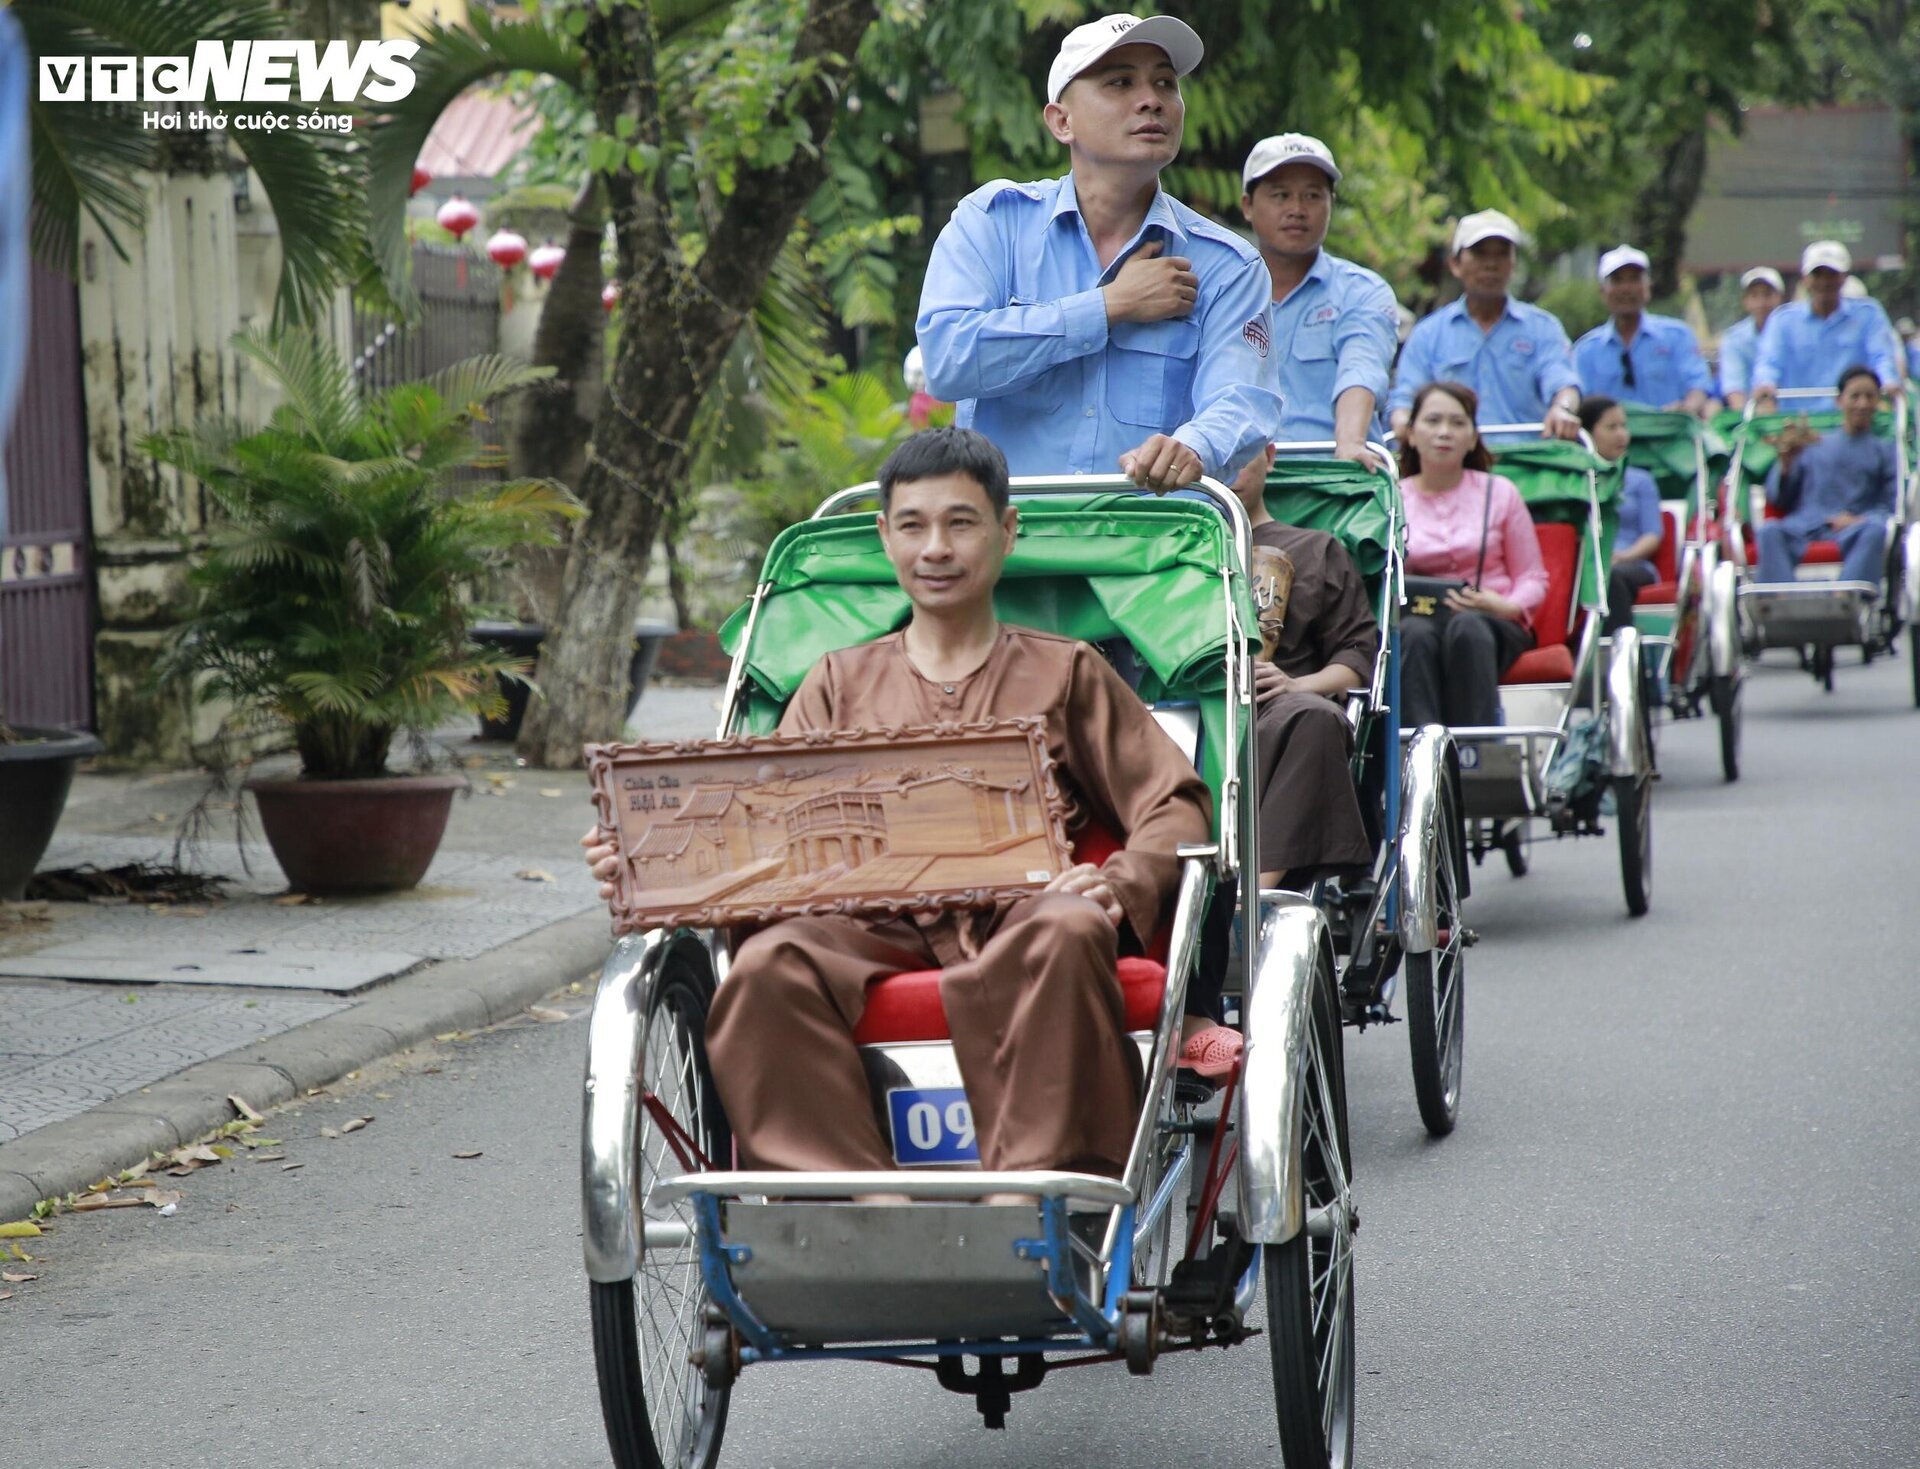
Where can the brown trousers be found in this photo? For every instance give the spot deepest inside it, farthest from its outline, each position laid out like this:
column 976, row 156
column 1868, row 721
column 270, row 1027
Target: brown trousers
column 1037, row 1026
column 1309, row 813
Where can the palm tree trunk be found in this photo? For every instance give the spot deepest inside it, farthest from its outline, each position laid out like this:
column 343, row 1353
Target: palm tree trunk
column 682, row 320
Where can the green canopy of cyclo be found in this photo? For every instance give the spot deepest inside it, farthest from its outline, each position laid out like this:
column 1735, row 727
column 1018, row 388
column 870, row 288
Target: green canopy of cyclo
column 1094, row 567
column 1671, row 446
column 1557, row 478
column 1754, row 438
column 1347, row 500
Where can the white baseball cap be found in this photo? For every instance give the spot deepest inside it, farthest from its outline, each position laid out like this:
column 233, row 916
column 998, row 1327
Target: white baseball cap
column 1764, row 273
column 1271, row 153
column 1621, row 256
column 1854, row 288
column 1086, row 44
column 1488, row 224
column 1825, row 255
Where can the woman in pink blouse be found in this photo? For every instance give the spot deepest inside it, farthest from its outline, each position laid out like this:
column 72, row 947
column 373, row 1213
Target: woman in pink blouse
column 1466, row 523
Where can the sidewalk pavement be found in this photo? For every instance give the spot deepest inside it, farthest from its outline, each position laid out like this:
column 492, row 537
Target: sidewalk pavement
column 124, row 1029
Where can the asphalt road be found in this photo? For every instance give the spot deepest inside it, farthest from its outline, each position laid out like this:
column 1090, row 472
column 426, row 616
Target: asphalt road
column 1677, row 1225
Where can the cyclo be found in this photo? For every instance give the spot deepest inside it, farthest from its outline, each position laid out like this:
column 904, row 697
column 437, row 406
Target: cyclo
column 1688, row 619
column 1583, row 698
column 1817, row 613
column 1407, row 911
column 699, row 1271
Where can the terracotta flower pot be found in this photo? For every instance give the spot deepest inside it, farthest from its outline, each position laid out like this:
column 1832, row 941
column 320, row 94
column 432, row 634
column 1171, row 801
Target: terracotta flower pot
column 35, row 775
column 355, row 836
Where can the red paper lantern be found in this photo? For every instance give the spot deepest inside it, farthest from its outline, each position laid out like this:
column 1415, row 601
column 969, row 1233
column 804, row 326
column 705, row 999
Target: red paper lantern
column 421, row 178
column 610, row 295
column 545, row 262
column 507, row 249
column 457, row 216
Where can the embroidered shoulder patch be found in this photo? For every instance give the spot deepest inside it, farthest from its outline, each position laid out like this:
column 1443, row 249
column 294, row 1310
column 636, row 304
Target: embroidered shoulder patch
column 1257, row 335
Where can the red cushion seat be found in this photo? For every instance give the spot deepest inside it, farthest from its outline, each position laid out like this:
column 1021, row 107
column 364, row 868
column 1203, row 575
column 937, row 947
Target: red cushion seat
column 1541, row 665
column 1660, row 594
column 1550, row 660
column 907, row 1007
column 1666, row 561
column 1822, row 553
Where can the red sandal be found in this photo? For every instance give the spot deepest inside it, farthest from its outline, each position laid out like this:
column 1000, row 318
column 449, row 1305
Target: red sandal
column 1212, row 1052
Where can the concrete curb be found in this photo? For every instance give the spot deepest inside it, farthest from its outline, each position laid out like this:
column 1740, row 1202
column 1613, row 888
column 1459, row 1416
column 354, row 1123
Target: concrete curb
column 464, row 994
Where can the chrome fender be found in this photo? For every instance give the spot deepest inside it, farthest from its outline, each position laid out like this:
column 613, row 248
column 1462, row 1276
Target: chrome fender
column 1910, row 573
column 1293, row 943
column 1723, row 619
column 616, row 1040
column 1431, row 764
column 1626, row 730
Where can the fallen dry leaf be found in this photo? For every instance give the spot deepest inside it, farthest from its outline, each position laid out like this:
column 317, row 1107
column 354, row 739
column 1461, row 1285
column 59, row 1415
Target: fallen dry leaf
column 289, row 1167
column 240, row 1106
column 451, row 1035
column 543, row 1012
column 105, row 1201
column 383, row 1096
column 291, row 900
column 164, row 1199
column 551, row 791
column 6, row 1295
column 474, row 1154
column 535, row 874
column 269, row 1157
column 17, row 1277
column 329, row 1132
column 354, row 1124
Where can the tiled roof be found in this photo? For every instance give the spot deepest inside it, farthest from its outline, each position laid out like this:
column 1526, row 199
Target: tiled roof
column 477, row 137
column 664, row 840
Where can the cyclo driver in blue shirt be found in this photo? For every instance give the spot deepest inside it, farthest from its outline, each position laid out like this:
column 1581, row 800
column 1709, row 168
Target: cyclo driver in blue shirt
column 1335, row 323
column 1093, row 321
column 1636, row 356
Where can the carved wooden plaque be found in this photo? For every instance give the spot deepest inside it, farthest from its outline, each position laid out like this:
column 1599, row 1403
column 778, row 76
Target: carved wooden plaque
column 874, row 823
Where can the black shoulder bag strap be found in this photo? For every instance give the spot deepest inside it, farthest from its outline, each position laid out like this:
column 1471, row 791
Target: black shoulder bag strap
column 1486, row 517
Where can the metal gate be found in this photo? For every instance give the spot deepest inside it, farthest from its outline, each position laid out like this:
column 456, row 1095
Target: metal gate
column 46, row 588
column 460, row 317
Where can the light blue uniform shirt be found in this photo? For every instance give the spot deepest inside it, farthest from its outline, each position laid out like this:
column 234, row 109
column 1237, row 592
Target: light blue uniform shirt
column 1739, row 344
column 1336, row 330
column 1799, row 350
column 1667, row 364
column 15, row 181
column 1013, row 329
column 1516, row 368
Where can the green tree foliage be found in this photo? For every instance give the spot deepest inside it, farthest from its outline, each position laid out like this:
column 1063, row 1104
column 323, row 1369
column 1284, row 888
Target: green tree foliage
column 332, row 599
column 1672, row 72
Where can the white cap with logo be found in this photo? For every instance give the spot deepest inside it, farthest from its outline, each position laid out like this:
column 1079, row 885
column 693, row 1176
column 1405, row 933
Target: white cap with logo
column 1621, row 256
column 1825, row 255
column 1764, row 273
column 1275, row 152
column 1086, row 44
column 1488, row 224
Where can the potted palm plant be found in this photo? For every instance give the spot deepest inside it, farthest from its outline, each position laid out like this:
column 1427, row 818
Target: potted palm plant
column 332, row 601
column 36, row 772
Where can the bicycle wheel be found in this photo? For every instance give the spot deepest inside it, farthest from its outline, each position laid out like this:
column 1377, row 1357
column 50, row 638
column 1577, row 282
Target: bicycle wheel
column 1436, row 994
column 1633, row 815
column 1309, row 1279
column 660, row 1411
column 1724, row 691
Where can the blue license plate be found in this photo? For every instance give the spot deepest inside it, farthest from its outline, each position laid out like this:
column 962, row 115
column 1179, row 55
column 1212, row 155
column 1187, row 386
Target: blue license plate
column 932, row 1126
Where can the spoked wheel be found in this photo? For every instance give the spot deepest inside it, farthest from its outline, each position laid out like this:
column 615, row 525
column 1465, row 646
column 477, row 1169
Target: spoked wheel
column 1633, row 815
column 1724, row 691
column 1156, row 1250
column 1309, row 1279
column 1437, row 996
column 659, row 1409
